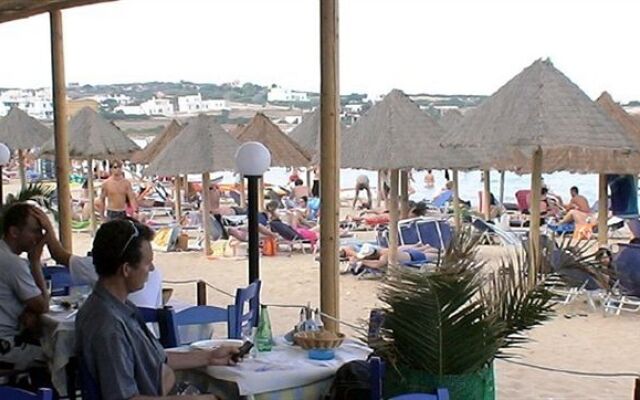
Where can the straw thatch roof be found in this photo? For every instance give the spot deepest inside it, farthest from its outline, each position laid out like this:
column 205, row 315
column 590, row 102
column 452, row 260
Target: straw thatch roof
column 307, row 132
column 92, row 136
column 396, row 134
column 202, row 146
column 541, row 107
column 615, row 111
column 285, row 152
column 17, row 9
column 449, row 119
column 20, row 131
column 146, row 155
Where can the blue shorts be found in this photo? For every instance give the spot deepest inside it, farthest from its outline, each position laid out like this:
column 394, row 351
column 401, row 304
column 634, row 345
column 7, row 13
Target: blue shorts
column 416, row 255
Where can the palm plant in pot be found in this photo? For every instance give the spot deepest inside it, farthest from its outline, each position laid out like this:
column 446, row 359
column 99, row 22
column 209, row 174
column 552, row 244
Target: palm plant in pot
column 444, row 328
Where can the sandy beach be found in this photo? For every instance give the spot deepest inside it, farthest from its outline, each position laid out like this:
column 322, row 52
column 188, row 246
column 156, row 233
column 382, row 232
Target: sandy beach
column 590, row 343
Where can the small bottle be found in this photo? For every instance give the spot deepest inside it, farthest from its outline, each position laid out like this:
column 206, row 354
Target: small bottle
column 310, row 323
column 264, row 338
column 318, row 320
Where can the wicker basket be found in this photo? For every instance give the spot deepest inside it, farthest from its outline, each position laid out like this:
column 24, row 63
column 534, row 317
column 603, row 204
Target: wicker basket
column 318, row 340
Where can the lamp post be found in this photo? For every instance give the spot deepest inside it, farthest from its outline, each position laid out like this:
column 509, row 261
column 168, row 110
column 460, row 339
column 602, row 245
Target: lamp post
column 252, row 160
column 5, row 155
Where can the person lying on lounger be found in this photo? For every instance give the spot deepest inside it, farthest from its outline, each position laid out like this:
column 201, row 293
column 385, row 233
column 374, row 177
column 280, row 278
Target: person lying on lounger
column 374, row 257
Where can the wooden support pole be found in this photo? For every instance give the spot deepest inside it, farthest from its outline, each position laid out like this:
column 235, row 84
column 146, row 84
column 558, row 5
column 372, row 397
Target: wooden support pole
column 92, row 197
column 380, row 190
column 534, row 228
column 201, row 293
column 457, row 218
column 501, row 187
column 329, row 162
column 603, row 210
column 243, row 192
column 60, row 128
column 206, row 215
column 178, row 198
column 486, row 194
column 404, row 194
column 21, row 170
column 393, row 218
column 261, row 194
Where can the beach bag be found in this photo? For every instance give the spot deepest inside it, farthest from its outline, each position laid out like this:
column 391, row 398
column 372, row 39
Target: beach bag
column 165, row 239
column 352, row 382
column 269, row 246
column 183, row 242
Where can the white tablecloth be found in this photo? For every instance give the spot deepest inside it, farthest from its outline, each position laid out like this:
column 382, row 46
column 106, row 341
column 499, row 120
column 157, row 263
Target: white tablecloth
column 286, row 367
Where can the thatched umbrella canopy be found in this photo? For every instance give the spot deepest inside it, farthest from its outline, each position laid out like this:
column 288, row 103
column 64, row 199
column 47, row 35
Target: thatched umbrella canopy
column 146, row 155
column 202, row 146
column 541, row 121
column 93, row 137
column 630, row 125
column 20, row 131
column 396, row 134
column 285, row 152
column 449, row 119
column 541, row 108
column 307, row 132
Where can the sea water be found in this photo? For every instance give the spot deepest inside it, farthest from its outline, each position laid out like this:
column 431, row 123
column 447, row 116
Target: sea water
column 470, row 183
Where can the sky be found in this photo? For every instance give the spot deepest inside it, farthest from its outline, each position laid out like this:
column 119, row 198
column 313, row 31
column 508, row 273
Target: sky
column 419, row 46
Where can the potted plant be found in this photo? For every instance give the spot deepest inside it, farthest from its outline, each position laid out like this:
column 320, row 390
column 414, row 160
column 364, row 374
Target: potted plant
column 444, row 328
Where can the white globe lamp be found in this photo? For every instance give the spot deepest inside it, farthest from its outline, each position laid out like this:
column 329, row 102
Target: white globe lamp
column 253, row 159
column 5, row 154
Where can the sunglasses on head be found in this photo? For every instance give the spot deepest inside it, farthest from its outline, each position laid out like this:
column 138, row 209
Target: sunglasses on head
column 134, row 235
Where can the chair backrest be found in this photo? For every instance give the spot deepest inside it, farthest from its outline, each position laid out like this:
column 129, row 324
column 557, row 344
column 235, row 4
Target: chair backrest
column 634, row 226
column 7, row 392
column 522, row 197
column 382, row 236
column 61, row 279
column 441, row 200
column 376, row 373
column 435, row 233
column 408, row 233
column 165, row 318
column 241, row 322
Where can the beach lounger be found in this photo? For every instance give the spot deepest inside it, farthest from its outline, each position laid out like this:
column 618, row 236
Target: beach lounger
column 617, row 301
column 490, row 233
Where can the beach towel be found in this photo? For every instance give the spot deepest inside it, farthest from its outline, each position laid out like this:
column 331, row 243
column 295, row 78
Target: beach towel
column 624, row 194
column 308, row 234
column 166, row 239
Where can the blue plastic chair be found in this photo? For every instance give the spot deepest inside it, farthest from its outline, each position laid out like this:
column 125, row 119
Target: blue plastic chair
column 165, row 318
column 240, row 321
column 199, row 315
column 19, row 394
column 408, row 232
column 60, row 279
column 377, row 373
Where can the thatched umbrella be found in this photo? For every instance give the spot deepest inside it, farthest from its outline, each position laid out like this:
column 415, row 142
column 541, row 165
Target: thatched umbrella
column 19, row 131
column 202, row 146
column 541, row 111
column 285, row 152
column 93, row 137
column 307, row 132
column 632, row 127
column 395, row 134
column 146, row 155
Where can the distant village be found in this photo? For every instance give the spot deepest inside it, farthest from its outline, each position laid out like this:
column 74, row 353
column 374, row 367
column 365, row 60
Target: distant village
column 285, row 106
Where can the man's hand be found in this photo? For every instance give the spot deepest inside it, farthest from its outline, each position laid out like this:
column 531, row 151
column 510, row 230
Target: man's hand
column 35, row 255
column 222, row 355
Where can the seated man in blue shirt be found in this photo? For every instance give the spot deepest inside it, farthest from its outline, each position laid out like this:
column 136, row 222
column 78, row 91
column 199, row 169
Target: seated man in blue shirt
column 121, row 354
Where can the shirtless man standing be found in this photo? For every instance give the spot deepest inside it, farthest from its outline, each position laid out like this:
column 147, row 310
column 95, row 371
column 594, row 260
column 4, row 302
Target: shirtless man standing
column 117, row 191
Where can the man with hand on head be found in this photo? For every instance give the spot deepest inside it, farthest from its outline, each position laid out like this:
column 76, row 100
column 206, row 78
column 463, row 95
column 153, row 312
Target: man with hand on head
column 121, row 354
column 23, row 292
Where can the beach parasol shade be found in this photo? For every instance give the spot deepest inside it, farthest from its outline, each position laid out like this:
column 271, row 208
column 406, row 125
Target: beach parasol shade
column 396, row 134
column 542, row 108
column 449, row 119
column 285, row 152
column 146, row 155
column 93, row 137
column 630, row 125
column 307, row 132
column 202, row 146
column 20, row 131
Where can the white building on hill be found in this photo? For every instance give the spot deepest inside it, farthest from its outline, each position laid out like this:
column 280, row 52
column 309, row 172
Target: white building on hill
column 37, row 103
column 287, row 95
column 157, row 106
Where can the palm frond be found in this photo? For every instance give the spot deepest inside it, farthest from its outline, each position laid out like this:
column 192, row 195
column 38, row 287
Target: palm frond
column 36, row 192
